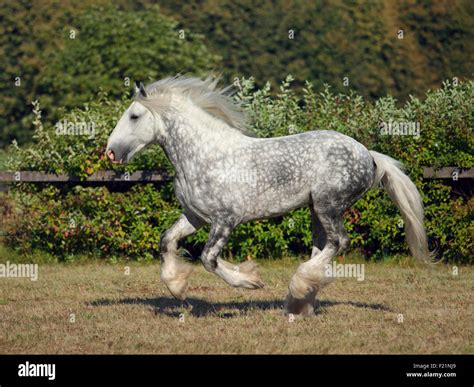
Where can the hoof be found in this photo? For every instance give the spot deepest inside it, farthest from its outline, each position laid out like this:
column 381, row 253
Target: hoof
column 250, row 277
column 177, row 289
column 244, row 275
column 176, row 279
column 300, row 307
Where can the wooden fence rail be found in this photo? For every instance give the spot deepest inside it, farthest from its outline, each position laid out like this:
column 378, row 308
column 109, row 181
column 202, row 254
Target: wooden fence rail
column 159, row 176
column 98, row 178
column 453, row 173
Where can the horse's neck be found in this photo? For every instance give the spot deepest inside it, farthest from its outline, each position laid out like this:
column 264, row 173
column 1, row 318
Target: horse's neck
column 198, row 138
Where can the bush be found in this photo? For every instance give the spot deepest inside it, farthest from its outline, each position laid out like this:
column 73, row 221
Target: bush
column 94, row 221
column 66, row 51
column 130, row 223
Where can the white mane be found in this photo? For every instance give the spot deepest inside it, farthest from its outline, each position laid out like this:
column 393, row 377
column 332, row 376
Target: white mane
column 204, row 93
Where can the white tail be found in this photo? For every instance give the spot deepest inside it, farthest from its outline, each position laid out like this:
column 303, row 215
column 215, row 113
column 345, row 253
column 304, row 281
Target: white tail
column 408, row 200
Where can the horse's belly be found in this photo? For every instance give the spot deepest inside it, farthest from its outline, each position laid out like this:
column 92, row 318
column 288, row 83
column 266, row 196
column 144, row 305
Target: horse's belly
column 275, row 202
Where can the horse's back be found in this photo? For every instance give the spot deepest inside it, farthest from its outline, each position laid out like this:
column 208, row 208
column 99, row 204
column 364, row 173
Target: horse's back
column 324, row 166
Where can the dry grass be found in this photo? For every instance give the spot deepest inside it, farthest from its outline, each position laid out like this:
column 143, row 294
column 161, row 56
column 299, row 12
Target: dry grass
column 118, row 313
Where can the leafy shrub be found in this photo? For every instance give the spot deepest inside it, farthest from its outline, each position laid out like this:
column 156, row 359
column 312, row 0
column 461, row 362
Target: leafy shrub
column 130, row 223
column 94, row 221
column 66, row 51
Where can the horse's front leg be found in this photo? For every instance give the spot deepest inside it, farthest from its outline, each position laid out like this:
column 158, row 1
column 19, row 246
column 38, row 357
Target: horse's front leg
column 244, row 275
column 174, row 271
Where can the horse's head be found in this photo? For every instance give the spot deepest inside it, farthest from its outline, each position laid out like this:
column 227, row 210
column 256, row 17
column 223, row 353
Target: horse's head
column 133, row 132
column 165, row 107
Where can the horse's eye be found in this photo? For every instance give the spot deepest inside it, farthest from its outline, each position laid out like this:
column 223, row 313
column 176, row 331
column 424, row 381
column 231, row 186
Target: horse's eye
column 134, row 117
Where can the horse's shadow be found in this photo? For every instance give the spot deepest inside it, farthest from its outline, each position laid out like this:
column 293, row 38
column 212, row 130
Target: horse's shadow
column 172, row 307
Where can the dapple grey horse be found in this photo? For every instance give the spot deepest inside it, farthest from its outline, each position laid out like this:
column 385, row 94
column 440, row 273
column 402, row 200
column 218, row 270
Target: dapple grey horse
column 225, row 177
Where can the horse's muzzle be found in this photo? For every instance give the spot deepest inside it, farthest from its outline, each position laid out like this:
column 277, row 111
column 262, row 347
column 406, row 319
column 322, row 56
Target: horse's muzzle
column 111, row 156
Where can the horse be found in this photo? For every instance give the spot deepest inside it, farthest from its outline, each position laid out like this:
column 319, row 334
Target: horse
column 225, row 176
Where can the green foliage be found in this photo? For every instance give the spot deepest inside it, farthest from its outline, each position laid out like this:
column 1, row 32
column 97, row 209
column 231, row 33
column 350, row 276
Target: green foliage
column 130, row 223
column 112, row 48
column 93, row 221
column 326, row 41
column 65, row 52
column 357, row 39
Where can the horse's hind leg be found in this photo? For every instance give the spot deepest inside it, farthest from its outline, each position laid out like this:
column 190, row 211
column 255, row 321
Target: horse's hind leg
column 175, row 272
column 318, row 233
column 329, row 237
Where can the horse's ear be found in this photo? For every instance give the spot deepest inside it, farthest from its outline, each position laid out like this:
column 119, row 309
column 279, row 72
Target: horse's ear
column 140, row 89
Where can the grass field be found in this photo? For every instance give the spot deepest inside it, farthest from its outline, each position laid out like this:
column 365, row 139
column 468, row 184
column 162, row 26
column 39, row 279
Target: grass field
column 97, row 308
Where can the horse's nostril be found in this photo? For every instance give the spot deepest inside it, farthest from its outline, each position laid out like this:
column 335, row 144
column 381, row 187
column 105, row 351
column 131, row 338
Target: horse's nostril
column 110, row 155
